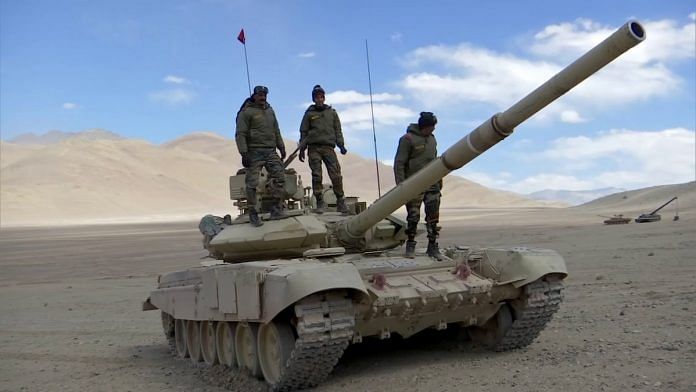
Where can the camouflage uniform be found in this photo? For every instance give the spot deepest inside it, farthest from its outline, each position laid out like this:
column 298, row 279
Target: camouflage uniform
column 258, row 159
column 415, row 151
column 320, row 133
column 318, row 154
column 257, row 137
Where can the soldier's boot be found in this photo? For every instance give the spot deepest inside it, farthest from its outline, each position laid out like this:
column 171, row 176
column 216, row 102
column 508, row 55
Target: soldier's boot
column 321, row 205
column 410, row 249
column 434, row 251
column 277, row 212
column 254, row 217
column 341, row 206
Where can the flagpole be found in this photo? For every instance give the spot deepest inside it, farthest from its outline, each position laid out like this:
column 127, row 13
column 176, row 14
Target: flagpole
column 246, row 60
column 242, row 38
column 372, row 110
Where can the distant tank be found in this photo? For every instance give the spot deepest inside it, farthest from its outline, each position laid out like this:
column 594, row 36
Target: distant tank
column 285, row 299
column 617, row 219
column 654, row 216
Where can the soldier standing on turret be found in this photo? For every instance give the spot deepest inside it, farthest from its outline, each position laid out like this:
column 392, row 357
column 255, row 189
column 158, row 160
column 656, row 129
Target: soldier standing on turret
column 416, row 149
column 320, row 133
column 258, row 136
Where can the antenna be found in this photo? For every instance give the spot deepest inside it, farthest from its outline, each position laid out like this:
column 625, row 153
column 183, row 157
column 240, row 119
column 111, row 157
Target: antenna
column 372, row 110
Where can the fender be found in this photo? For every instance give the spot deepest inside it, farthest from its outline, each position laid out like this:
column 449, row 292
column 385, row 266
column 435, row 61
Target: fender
column 285, row 286
column 521, row 266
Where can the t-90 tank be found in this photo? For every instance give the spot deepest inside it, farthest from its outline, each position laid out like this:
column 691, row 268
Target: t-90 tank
column 285, row 299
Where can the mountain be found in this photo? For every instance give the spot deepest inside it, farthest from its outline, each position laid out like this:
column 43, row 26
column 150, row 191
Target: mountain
column 53, row 137
column 98, row 176
column 645, row 200
column 572, row 198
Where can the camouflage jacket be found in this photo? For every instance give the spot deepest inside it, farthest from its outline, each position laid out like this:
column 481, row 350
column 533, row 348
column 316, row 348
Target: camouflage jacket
column 414, row 152
column 257, row 127
column 321, row 126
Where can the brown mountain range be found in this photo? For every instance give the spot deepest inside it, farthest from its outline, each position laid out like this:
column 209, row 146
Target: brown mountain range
column 93, row 177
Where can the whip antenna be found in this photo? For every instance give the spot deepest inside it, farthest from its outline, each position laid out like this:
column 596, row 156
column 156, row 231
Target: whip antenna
column 372, row 111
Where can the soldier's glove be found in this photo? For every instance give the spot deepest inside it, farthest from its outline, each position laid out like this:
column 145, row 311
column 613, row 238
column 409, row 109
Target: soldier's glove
column 343, row 149
column 302, row 155
column 245, row 160
column 282, row 153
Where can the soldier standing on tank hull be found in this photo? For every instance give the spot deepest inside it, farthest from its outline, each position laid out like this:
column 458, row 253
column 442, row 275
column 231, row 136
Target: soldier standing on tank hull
column 320, row 133
column 416, row 149
column 257, row 137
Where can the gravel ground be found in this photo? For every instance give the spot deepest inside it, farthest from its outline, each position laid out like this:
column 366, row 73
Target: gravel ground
column 71, row 321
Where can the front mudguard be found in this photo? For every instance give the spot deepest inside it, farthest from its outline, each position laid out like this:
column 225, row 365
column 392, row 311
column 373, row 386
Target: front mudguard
column 520, row 265
column 283, row 288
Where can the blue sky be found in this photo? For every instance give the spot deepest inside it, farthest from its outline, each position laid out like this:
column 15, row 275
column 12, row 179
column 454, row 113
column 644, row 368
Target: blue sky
column 158, row 70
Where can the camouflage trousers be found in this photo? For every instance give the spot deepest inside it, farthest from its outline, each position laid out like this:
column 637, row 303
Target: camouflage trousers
column 431, row 199
column 318, row 154
column 275, row 183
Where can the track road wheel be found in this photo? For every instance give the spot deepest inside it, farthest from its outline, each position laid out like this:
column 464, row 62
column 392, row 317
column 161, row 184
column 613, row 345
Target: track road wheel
column 276, row 342
column 180, row 338
column 193, row 340
column 208, row 346
column 245, row 345
column 520, row 321
column 168, row 325
column 491, row 333
column 224, row 342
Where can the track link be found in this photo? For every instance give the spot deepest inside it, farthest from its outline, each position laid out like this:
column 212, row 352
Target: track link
column 533, row 312
column 325, row 325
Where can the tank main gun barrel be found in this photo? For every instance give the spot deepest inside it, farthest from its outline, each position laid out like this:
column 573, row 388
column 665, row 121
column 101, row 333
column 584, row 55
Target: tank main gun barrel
column 663, row 206
column 494, row 130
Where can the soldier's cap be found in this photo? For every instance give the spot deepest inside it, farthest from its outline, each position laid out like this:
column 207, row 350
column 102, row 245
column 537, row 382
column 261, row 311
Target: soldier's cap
column 261, row 90
column 427, row 119
column 316, row 90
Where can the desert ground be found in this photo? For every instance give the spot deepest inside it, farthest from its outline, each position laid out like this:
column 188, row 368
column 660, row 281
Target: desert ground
column 70, row 300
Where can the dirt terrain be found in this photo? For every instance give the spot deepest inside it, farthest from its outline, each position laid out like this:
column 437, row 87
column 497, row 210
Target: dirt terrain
column 70, row 319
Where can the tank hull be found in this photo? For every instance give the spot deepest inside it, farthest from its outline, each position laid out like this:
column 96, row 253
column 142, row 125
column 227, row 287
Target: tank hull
column 648, row 218
column 335, row 301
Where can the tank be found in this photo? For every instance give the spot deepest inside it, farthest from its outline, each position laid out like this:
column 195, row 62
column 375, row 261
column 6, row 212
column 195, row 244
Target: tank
column 654, row 216
column 617, row 219
column 284, row 300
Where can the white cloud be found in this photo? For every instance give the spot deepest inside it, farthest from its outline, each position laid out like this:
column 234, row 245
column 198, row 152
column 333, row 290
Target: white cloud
column 388, row 162
column 342, row 97
column 619, row 158
column 359, row 117
column 306, row 55
column 175, row 80
column 172, row 96
column 571, row 116
column 666, row 41
column 471, row 74
column 70, row 106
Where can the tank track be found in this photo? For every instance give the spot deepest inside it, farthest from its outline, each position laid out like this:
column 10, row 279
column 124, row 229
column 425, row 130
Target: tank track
column 533, row 312
column 325, row 325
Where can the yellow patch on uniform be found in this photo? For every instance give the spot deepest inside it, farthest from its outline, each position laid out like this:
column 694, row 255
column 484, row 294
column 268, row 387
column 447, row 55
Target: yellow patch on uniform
column 419, row 147
column 314, row 117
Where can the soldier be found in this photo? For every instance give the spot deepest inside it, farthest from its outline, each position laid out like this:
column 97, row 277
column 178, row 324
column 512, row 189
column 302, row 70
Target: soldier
column 257, row 138
column 320, row 133
column 416, row 149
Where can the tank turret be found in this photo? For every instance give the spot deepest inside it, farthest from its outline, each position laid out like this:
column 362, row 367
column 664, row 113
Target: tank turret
column 295, row 292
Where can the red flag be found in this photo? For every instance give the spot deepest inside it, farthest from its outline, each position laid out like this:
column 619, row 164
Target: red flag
column 241, row 37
